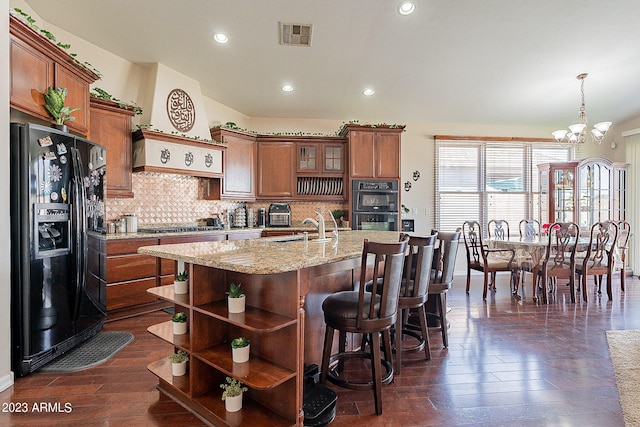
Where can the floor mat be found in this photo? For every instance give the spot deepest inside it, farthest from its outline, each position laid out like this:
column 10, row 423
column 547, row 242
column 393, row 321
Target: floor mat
column 90, row 353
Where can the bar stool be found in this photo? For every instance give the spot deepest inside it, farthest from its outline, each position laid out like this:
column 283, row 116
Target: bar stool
column 367, row 313
column 413, row 295
column 442, row 278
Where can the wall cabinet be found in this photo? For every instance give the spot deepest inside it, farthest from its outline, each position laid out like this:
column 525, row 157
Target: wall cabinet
column 276, row 160
column 111, row 127
column 35, row 65
column 239, row 160
column 374, row 152
column 320, row 168
column 584, row 191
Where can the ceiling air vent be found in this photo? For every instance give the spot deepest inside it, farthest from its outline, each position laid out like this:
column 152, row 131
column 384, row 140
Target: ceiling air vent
column 295, row 34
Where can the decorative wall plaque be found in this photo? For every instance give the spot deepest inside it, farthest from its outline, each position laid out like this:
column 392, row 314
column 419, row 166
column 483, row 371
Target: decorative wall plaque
column 181, row 111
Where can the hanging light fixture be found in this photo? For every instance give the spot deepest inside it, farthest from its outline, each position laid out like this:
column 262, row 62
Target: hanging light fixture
column 576, row 132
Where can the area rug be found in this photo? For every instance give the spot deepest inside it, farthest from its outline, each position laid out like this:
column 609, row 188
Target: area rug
column 93, row 352
column 624, row 347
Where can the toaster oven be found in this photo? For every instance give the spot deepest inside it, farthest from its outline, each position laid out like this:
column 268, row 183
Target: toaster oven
column 279, row 215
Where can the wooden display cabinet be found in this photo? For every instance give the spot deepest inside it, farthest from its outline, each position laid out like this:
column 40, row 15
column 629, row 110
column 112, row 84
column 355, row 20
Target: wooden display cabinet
column 272, row 321
column 584, row 192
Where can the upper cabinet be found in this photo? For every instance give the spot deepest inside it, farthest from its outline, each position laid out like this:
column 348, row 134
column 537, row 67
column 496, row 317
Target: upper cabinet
column 37, row 64
column 239, row 164
column 374, row 152
column 111, row 127
column 584, row 191
column 276, row 158
column 326, row 156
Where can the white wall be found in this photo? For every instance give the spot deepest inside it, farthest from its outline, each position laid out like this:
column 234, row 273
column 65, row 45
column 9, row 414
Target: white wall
column 6, row 376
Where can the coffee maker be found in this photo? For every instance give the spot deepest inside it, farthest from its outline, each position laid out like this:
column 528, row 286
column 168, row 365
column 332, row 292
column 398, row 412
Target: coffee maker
column 262, row 217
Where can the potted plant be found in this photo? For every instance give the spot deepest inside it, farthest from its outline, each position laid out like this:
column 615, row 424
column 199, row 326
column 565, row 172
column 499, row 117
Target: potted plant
column 338, row 215
column 240, row 349
column 236, row 298
column 179, row 362
column 179, row 323
column 181, row 283
column 232, row 394
column 54, row 104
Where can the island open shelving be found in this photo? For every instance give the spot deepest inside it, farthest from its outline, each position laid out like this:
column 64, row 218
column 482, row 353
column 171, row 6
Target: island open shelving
column 271, row 372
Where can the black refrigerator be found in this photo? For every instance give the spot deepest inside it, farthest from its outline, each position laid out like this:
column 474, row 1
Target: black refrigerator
column 56, row 204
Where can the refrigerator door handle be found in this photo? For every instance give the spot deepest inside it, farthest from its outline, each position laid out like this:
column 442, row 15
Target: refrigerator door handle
column 80, row 229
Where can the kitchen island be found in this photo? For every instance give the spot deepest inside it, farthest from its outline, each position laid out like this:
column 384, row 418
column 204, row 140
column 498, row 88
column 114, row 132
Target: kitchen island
column 285, row 280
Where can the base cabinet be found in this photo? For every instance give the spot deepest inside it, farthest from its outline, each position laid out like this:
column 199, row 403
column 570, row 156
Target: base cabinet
column 273, row 321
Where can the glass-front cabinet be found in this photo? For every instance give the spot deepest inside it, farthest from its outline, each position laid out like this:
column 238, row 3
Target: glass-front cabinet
column 584, row 191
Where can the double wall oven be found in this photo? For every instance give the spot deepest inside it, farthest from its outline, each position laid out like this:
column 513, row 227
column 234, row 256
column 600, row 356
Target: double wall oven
column 375, row 205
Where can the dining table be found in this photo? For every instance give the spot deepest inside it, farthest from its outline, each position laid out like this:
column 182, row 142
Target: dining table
column 529, row 253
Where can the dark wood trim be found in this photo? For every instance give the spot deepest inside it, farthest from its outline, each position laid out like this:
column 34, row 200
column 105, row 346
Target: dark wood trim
column 491, row 138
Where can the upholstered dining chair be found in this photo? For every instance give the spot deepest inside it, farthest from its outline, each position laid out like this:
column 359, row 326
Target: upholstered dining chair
column 560, row 257
column 367, row 313
column 598, row 258
column 488, row 261
column 624, row 232
column 442, row 278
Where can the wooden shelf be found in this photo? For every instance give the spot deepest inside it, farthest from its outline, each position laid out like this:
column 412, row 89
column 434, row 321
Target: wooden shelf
column 210, row 407
column 256, row 373
column 164, row 331
column 162, row 369
column 166, row 293
column 253, row 319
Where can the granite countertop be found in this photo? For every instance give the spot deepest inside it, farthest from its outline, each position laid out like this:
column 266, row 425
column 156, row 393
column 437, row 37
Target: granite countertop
column 296, row 227
column 272, row 254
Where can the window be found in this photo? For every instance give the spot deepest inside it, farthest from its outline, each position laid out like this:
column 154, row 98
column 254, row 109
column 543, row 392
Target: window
column 487, row 179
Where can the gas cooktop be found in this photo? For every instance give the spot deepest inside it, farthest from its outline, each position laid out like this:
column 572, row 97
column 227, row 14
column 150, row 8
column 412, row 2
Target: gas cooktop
column 178, row 228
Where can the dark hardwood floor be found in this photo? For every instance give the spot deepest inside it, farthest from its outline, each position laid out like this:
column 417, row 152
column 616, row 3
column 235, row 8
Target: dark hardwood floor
column 509, row 362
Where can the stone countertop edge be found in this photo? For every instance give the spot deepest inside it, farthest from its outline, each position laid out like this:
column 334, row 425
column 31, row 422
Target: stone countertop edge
column 310, row 229
column 269, row 255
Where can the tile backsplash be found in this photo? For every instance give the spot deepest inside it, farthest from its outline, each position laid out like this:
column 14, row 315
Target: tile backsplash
column 173, row 198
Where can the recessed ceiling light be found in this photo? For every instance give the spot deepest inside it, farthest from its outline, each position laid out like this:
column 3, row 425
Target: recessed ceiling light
column 287, row 88
column 221, row 38
column 368, row 92
column 406, row 8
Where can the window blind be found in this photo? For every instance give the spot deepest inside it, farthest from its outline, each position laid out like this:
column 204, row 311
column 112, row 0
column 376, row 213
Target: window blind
column 490, row 178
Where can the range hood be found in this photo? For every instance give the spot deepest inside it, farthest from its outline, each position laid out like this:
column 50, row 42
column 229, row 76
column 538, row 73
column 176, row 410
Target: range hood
column 180, row 142
column 159, row 152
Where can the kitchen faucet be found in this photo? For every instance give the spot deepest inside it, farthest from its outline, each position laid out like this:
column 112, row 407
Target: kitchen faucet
column 335, row 225
column 319, row 224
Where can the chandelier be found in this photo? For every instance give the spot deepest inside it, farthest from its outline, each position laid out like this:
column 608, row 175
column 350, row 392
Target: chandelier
column 576, row 133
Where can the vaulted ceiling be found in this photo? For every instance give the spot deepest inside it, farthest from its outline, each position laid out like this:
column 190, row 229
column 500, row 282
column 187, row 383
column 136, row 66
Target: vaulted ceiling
column 499, row 62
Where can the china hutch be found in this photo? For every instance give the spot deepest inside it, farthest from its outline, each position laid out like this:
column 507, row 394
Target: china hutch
column 583, row 191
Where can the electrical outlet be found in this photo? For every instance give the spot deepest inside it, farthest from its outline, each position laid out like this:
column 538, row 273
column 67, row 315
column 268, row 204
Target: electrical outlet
column 414, row 211
column 426, row 211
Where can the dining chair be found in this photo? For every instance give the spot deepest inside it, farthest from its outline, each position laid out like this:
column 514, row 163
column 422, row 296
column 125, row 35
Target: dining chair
column 498, row 229
column 560, row 258
column 529, row 229
column 620, row 263
column 488, row 261
column 442, row 278
column 367, row 313
column 598, row 258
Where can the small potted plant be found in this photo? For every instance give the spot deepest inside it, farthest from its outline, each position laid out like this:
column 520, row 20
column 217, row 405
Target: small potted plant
column 179, row 323
column 338, row 215
column 236, row 298
column 232, row 394
column 240, row 349
column 179, row 362
column 181, row 283
column 54, row 104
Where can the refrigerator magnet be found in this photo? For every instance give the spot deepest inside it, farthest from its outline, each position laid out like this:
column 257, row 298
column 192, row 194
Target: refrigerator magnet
column 45, row 142
column 49, row 155
column 61, row 148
